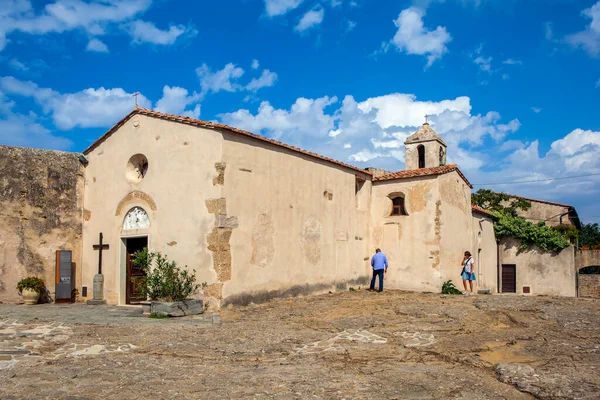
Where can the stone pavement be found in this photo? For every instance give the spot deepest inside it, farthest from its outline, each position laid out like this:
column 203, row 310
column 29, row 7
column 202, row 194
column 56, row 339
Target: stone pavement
column 98, row 315
column 28, row 333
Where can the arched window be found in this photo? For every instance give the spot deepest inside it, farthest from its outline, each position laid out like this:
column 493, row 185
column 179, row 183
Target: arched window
column 398, row 206
column 421, row 151
column 136, row 218
column 442, row 156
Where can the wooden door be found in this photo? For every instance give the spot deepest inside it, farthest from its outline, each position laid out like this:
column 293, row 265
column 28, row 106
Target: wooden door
column 509, row 278
column 134, row 275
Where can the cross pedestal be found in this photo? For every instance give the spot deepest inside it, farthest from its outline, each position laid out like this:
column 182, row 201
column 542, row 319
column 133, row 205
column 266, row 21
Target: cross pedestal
column 99, row 278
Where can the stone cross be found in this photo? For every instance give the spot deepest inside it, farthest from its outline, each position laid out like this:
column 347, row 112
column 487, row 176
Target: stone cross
column 101, row 246
column 135, row 95
column 426, row 116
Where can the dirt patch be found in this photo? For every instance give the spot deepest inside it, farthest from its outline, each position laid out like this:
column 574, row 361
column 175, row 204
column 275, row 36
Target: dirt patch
column 333, row 346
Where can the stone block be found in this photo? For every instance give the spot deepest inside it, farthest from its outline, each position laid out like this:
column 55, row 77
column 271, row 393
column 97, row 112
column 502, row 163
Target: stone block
column 177, row 309
column 217, row 206
column 222, row 221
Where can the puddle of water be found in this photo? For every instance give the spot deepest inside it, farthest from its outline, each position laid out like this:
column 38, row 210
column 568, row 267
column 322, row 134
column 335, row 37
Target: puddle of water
column 501, row 353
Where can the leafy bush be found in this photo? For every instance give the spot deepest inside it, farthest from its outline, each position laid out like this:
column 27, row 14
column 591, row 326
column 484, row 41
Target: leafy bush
column 449, row 288
column 529, row 234
column 569, row 232
column 164, row 280
column 32, row 282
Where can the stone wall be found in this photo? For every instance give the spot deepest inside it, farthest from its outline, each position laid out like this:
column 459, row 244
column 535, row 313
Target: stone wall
column 587, row 258
column 589, row 285
column 547, row 273
column 40, row 212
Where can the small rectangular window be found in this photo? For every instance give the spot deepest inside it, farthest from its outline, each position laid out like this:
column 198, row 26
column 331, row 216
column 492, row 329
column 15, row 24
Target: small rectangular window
column 398, row 206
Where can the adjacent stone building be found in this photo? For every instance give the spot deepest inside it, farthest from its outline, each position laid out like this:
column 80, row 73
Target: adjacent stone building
column 254, row 217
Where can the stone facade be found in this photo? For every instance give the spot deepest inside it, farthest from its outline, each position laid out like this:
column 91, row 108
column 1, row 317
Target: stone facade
column 254, row 218
column 543, row 272
column 41, row 195
column 553, row 214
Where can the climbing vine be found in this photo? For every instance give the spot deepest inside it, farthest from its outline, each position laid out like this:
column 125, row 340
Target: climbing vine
column 507, row 222
column 528, row 234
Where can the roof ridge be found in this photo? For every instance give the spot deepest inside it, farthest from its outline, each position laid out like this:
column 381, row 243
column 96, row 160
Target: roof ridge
column 413, row 173
column 198, row 122
column 540, row 201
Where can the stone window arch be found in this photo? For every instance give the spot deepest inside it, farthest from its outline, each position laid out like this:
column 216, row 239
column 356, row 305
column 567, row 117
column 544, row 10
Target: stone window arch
column 421, row 154
column 398, row 206
column 136, row 218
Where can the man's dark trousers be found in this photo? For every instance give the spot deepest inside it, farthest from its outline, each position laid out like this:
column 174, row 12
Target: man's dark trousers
column 377, row 272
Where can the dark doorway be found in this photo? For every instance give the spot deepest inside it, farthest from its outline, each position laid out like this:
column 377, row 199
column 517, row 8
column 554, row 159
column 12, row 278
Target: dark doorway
column 134, row 275
column 421, row 151
column 509, row 278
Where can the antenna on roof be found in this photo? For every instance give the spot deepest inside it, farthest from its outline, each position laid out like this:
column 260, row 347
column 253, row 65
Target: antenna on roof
column 135, row 95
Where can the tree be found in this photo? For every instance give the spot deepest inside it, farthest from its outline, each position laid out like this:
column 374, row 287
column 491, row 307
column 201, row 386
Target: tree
column 499, row 202
column 589, row 236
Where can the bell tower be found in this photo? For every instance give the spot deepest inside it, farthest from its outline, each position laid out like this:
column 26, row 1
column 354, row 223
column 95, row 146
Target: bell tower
column 424, row 149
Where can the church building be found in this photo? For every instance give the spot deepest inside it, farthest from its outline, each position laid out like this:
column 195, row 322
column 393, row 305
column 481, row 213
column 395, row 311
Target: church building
column 254, row 217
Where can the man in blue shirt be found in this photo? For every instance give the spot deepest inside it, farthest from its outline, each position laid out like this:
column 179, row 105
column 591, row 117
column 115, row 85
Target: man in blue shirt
column 379, row 263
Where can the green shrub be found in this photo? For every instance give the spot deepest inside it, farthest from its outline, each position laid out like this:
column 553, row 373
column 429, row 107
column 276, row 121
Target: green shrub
column 529, row 234
column 449, row 288
column 32, row 282
column 164, row 280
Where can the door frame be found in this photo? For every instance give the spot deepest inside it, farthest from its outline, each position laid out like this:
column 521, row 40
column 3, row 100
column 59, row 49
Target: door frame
column 123, row 262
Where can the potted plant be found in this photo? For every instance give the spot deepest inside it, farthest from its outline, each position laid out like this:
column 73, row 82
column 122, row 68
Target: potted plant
column 31, row 288
column 167, row 286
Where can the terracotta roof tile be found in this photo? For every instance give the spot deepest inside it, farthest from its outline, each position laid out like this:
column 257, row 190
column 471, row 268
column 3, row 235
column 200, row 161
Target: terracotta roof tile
column 482, row 210
column 212, row 125
column 413, row 173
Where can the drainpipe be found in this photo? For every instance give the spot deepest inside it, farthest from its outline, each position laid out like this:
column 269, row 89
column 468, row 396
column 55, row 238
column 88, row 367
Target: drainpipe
column 498, row 266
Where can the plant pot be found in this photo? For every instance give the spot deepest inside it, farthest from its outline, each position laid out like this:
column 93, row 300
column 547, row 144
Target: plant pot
column 30, row 297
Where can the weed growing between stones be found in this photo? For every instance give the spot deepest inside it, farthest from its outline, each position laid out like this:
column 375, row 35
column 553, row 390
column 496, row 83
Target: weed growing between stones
column 449, row 288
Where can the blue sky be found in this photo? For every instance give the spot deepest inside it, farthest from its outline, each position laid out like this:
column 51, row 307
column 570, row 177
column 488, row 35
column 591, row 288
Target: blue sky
column 513, row 86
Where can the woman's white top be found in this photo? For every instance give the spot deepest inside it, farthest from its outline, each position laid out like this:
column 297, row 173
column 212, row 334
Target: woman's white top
column 468, row 265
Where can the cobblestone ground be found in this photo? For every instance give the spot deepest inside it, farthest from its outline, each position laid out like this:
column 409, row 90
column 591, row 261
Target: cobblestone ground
column 352, row 345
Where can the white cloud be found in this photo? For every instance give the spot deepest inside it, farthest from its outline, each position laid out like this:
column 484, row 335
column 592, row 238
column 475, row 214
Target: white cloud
column 279, row 7
column 377, row 126
column 147, row 32
column 485, row 64
column 548, row 34
column 224, row 79
column 24, row 130
column 97, row 45
column 18, row 65
column 413, row 38
column 306, row 117
column 175, row 100
column 365, row 155
column 589, row 38
column 255, row 64
column 311, row 19
column 89, row 108
column 536, row 110
column 505, row 77
column 350, row 25
column 266, row 79
column 96, row 18
column 510, row 61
